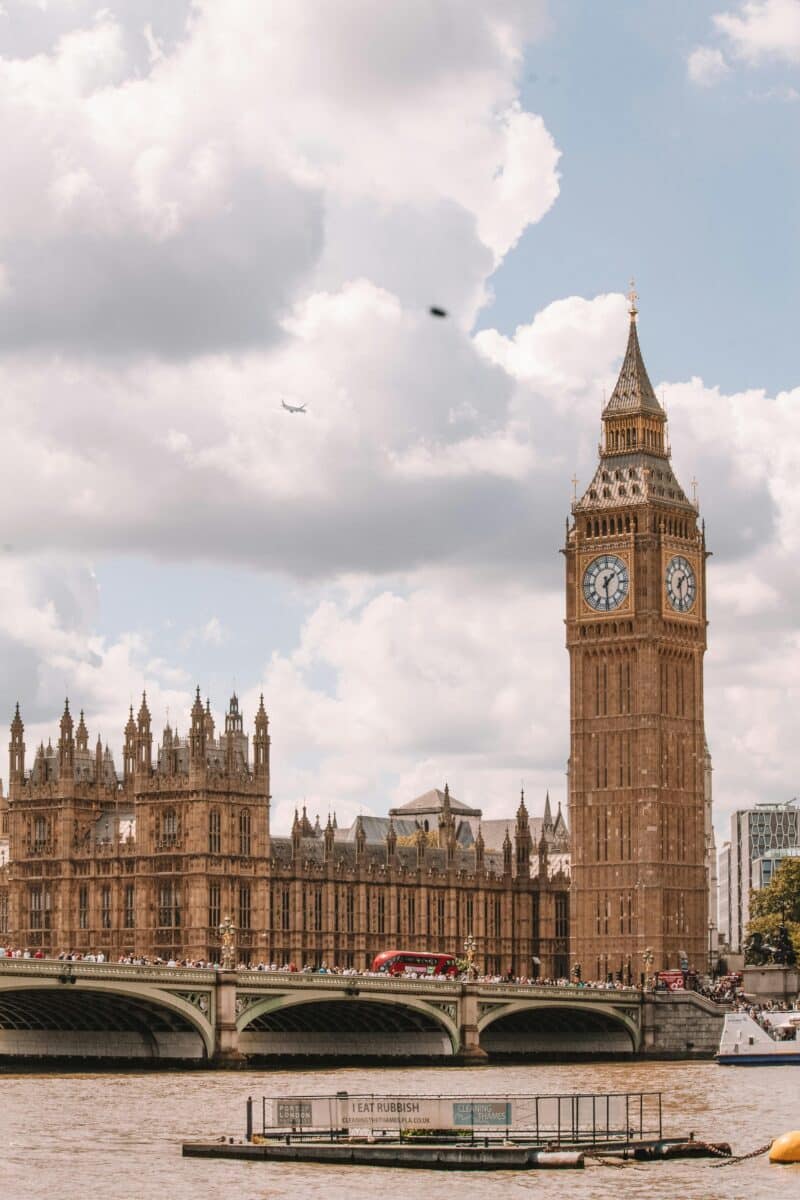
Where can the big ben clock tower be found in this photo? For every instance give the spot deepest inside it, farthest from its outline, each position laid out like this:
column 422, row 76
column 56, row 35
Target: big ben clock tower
column 636, row 635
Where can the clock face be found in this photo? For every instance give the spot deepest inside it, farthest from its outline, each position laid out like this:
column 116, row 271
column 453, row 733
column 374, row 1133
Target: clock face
column 605, row 582
column 681, row 584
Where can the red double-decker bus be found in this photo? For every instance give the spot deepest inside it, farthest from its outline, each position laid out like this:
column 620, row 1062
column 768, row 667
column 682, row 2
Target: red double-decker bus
column 414, row 962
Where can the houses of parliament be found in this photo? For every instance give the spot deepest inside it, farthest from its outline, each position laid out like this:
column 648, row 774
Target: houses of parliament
column 149, row 859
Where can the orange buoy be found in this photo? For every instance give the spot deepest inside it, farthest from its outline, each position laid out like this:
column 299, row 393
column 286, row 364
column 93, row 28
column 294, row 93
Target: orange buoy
column 786, row 1148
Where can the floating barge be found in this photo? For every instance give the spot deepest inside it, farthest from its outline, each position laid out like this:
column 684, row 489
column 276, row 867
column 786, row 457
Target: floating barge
column 486, row 1133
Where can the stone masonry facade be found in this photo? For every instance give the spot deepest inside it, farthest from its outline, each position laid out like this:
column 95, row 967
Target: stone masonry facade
column 636, row 634
column 150, row 862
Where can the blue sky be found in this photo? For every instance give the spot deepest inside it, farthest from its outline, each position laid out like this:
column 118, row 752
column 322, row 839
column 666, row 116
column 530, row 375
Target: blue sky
column 695, row 191
column 217, row 209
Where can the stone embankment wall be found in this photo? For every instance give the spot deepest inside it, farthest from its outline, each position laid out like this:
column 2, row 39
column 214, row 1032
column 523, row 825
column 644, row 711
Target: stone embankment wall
column 681, row 1025
column 772, row 983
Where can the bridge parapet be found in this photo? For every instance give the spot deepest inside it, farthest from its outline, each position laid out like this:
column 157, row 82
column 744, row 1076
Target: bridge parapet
column 232, row 1010
column 51, row 967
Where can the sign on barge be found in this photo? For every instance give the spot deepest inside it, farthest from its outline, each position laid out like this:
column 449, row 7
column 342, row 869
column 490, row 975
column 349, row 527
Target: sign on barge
column 502, row 1133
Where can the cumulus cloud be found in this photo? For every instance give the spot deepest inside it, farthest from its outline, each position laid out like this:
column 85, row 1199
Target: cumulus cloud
column 761, row 30
column 758, row 32
column 180, row 200
column 443, row 657
column 49, row 651
column 706, row 66
column 216, row 207
column 433, row 684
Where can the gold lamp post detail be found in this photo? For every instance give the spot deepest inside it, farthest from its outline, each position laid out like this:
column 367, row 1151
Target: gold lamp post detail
column 227, row 936
column 469, row 954
column 647, row 962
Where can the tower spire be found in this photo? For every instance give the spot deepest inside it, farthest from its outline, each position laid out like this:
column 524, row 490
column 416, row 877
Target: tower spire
column 633, row 392
column 632, row 298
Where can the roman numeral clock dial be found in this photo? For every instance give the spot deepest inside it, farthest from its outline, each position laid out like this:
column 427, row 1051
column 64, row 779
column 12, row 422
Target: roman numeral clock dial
column 681, row 584
column 605, row 582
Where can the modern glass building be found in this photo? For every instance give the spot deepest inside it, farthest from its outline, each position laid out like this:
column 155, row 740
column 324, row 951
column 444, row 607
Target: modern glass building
column 760, row 836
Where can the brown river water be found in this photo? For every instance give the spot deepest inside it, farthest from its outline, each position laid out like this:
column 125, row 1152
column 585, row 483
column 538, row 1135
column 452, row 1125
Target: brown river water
column 118, row 1137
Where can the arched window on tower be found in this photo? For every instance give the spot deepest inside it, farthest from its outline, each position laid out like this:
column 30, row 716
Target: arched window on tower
column 214, row 831
column 244, row 831
column 40, row 833
column 169, row 827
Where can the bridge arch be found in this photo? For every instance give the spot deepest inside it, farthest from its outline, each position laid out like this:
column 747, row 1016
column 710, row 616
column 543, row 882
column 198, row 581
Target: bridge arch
column 100, row 1019
column 347, row 1022
column 544, row 1027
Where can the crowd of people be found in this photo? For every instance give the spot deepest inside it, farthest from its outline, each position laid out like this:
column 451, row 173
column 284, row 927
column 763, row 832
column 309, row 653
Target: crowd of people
column 724, row 990
column 767, row 1015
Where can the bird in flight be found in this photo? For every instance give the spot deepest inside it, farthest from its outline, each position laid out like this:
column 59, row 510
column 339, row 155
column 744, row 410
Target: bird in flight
column 293, row 408
column 435, row 311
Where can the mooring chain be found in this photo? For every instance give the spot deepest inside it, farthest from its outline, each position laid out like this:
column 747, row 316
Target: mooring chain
column 737, row 1158
column 599, row 1156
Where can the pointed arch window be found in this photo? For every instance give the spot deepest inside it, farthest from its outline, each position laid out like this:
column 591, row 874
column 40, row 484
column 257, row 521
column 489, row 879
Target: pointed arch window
column 245, row 919
column 244, row 831
column 169, row 906
column 41, row 833
column 169, row 827
column 214, row 831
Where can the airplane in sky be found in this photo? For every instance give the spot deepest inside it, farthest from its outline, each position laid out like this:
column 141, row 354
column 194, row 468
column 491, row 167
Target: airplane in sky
column 293, row 408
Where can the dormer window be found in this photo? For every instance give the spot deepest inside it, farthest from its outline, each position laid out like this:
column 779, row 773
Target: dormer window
column 622, row 489
column 592, row 494
column 635, row 489
column 607, row 493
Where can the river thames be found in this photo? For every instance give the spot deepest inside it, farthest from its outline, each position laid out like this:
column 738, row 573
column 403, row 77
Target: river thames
column 117, row 1136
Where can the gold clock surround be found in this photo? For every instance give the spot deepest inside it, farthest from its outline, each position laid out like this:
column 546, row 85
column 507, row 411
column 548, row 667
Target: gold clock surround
column 695, row 613
column 626, row 607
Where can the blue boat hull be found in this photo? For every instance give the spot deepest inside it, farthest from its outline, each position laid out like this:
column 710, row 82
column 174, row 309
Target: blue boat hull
column 758, row 1060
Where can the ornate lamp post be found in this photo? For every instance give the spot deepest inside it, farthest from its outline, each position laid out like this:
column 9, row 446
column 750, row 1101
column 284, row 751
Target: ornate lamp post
column 469, row 954
column 227, row 936
column 647, row 962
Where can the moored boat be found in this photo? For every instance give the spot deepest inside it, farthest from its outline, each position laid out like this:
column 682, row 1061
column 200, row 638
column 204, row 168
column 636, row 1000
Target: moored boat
column 745, row 1043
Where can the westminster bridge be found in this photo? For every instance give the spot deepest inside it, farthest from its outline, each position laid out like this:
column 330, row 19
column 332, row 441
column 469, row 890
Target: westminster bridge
column 117, row 1012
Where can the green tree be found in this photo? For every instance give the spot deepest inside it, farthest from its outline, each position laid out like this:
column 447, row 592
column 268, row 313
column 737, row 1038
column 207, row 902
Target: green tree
column 778, row 904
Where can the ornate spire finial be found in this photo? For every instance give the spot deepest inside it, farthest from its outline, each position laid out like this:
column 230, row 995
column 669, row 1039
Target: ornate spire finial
column 632, row 298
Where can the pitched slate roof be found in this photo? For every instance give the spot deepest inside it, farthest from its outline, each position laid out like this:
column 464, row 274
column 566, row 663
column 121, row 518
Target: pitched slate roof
column 432, row 802
column 633, row 479
column 633, row 390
